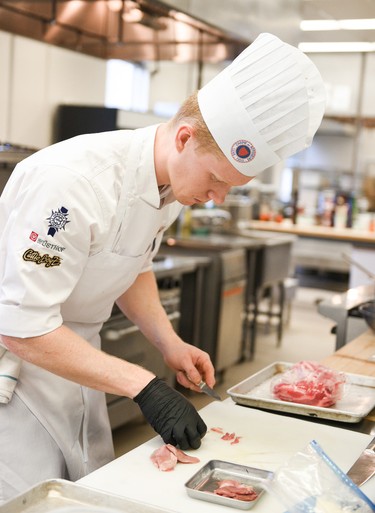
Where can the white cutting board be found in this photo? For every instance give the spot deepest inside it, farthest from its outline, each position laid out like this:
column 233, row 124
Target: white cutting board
column 268, row 440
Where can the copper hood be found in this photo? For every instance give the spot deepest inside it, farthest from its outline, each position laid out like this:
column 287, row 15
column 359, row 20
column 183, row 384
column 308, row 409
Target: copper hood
column 134, row 30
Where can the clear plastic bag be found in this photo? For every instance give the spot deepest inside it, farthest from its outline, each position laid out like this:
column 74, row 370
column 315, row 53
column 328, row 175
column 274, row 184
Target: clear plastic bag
column 310, row 482
column 309, row 383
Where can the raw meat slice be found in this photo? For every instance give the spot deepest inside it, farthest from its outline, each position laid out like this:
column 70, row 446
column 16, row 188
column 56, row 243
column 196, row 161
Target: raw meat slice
column 166, row 457
column 309, row 383
column 217, row 430
column 228, row 436
column 185, row 458
column 228, row 482
column 182, row 457
column 235, row 490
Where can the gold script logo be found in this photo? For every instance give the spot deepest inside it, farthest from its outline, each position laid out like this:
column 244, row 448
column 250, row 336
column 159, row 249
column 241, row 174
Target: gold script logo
column 31, row 255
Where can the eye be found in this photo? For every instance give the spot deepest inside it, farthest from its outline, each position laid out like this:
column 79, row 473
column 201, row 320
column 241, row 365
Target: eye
column 214, row 179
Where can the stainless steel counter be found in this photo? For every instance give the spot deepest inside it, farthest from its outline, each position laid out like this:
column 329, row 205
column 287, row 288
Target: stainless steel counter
column 268, row 264
column 216, row 325
column 342, row 308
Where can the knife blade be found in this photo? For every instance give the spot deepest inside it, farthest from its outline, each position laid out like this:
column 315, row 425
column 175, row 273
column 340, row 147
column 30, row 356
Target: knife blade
column 205, row 389
column 364, row 467
column 209, row 391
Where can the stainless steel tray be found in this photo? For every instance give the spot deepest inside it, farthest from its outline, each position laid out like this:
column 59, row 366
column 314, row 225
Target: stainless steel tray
column 204, row 482
column 357, row 401
column 61, row 496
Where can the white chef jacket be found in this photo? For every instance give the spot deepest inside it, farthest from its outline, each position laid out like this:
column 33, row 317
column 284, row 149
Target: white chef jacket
column 79, row 221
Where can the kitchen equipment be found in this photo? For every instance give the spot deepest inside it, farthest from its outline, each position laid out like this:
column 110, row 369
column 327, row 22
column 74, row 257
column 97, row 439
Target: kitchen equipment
column 241, row 208
column 10, row 155
column 357, row 401
column 267, row 270
column 59, row 495
column 206, row 389
column 367, row 310
column 108, row 30
column 364, row 468
column 344, row 310
column 209, row 391
column 207, row 220
column 205, row 481
column 217, row 326
column 351, row 260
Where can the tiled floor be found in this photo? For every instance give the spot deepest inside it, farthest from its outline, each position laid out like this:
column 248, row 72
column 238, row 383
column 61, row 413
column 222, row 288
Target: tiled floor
column 307, row 336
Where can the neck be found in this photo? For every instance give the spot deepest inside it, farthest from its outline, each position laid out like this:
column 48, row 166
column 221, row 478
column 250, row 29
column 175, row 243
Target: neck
column 161, row 150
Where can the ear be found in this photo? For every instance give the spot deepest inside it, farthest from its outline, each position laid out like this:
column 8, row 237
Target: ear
column 184, row 136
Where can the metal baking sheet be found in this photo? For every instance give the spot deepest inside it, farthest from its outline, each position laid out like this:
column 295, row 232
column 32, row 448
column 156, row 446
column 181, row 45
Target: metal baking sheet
column 61, row 496
column 357, row 401
column 204, row 482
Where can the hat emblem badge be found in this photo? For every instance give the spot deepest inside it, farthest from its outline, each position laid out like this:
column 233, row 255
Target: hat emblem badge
column 243, row 151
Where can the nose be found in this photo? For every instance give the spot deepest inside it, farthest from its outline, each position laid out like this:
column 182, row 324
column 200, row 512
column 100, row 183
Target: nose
column 218, row 195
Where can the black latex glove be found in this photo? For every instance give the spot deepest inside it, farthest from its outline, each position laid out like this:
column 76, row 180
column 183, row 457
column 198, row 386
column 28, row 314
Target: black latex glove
column 171, row 415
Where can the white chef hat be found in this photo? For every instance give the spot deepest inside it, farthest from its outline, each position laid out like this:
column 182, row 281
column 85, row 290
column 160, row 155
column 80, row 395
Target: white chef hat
column 265, row 106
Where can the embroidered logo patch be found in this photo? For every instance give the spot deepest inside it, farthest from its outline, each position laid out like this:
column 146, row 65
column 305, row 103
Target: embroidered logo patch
column 243, row 151
column 43, row 242
column 57, row 220
column 31, row 255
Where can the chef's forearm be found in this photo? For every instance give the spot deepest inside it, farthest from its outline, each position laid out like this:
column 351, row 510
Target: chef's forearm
column 68, row 355
column 141, row 304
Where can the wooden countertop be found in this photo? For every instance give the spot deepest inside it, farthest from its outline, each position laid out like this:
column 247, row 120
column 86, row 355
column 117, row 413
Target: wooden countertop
column 318, row 232
column 354, row 358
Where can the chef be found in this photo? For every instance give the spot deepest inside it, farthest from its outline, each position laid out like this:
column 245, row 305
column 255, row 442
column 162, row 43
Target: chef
column 80, row 222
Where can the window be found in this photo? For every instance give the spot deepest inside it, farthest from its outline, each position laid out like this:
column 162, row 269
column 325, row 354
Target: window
column 127, row 86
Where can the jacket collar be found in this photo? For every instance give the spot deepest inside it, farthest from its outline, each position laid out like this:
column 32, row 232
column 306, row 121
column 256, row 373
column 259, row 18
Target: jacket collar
column 147, row 187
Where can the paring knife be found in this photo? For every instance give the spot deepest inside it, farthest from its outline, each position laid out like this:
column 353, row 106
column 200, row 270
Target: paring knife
column 364, row 467
column 208, row 390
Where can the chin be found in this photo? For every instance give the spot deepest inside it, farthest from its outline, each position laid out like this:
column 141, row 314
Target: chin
column 186, row 202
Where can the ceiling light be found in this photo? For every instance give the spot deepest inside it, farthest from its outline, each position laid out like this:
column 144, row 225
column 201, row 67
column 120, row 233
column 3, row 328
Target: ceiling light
column 132, row 15
column 359, row 46
column 114, row 5
column 359, row 24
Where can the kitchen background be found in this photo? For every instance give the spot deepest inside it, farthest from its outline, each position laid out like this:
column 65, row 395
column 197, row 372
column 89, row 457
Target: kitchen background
column 52, row 78
column 38, row 77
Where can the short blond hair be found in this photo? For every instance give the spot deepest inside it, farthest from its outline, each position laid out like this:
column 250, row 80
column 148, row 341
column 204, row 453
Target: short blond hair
column 190, row 112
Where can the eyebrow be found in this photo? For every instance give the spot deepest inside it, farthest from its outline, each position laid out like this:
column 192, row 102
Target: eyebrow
column 218, row 179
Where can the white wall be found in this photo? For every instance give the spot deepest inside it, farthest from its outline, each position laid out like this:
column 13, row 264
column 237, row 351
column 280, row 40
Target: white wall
column 341, row 74
column 35, row 79
column 5, row 86
column 173, row 82
column 369, row 86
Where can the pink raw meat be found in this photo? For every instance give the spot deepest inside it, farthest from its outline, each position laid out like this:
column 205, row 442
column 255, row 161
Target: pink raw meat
column 228, row 436
column 235, row 490
column 166, row 457
column 309, row 383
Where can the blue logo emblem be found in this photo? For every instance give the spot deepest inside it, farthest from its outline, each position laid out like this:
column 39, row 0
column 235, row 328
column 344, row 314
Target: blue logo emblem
column 243, row 151
column 57, row 220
